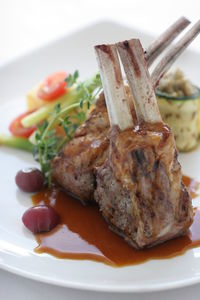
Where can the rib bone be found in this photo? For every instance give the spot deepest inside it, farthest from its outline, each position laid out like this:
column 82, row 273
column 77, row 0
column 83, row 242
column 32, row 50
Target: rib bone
column 133, row 60
column 113, row 84
column 154, row 50
column 116, row 100
column 173, row 53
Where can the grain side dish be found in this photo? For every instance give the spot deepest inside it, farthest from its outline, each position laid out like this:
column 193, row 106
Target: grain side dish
column 178, row 101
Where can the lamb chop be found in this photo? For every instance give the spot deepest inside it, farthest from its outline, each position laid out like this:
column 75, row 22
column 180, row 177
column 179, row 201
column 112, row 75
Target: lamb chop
column 139, row 190
column 74, row 167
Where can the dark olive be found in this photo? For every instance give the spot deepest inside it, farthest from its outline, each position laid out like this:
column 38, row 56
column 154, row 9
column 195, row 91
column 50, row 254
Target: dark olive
column 29, row 180
column 41, row 218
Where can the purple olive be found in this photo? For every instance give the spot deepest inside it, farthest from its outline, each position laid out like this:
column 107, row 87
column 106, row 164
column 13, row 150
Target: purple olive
column 29, row 180
column 41, row 218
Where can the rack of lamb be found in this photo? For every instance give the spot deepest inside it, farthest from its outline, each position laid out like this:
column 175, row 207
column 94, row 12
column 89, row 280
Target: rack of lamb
column 73, row 168
column 140, row 190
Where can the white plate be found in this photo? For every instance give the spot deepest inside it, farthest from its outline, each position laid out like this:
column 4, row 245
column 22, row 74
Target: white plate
column 16, row 244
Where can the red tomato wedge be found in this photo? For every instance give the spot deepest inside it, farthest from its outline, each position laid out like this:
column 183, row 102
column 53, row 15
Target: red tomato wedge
column 53, row 87
column 17, row 129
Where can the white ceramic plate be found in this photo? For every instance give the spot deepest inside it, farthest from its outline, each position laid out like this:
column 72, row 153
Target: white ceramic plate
column 16, row 244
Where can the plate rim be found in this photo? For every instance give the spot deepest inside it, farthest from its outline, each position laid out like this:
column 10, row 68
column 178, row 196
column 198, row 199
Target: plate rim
column 72, row 32
column 103, row 288
column 78, row 285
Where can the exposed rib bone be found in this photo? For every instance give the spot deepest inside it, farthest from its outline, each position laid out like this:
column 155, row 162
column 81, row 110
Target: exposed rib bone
column 135, row 67
column 116, row 100
column 173, row 53
column 154, row 50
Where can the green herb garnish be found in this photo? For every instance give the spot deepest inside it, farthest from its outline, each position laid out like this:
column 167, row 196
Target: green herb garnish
column 47, row 141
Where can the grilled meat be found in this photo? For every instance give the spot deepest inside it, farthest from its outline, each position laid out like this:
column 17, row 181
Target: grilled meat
column 73, row 168
column 139, row 187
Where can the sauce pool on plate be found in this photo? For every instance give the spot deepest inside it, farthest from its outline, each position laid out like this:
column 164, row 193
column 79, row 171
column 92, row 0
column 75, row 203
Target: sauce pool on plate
column 84, row 234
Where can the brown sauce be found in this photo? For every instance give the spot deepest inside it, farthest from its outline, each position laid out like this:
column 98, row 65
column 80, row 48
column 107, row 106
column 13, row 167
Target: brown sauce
column 84, row 234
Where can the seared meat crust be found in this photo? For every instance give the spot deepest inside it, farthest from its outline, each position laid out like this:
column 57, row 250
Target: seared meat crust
column 73, row 167
column 139, row 187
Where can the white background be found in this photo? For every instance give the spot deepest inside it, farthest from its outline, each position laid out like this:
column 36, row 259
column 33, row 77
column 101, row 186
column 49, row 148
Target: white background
column 26, row 24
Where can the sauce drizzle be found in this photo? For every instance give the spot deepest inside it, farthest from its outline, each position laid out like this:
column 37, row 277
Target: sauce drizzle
column 84, row 234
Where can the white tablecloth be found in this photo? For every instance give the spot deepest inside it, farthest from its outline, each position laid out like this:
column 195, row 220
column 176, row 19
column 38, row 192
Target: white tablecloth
column 25, row 25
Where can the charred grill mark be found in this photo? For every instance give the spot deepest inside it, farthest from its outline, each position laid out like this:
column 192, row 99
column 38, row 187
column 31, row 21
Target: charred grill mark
column 133, row 58
column 156, row 165
column 138, row 155
column 141, row 166
column 126, row 44
column 118, row 76
column 105, row 49
column 95, row 182
column 134, row 176
column 175, row 154
column 159, row 195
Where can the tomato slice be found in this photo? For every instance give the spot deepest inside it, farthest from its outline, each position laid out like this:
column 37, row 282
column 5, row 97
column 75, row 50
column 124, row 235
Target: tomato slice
column 17, row 129
column 53, row 87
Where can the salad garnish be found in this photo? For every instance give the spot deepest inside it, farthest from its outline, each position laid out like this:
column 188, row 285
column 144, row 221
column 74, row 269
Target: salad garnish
column 47, row 129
